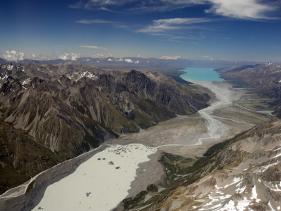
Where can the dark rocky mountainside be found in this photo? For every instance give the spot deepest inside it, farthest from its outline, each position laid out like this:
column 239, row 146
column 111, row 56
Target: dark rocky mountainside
column 69, row 109
column 242, row 173
column 21, row 157
column 266, row 79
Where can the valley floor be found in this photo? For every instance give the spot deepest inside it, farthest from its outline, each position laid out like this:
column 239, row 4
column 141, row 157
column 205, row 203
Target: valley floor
column 137, row 162
column 232, row 112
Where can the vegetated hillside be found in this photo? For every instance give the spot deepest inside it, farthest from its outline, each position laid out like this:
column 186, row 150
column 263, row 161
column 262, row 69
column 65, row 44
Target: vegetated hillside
column 242, row 173
column 266, row 79
column 69, row 109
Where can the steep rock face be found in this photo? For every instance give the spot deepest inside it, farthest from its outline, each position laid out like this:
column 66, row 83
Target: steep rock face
column 21, row 157
column 42, row 110
column 166, row 92
column 242, row 173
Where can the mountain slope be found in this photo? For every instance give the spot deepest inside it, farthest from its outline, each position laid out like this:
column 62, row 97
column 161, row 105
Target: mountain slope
column 74, row 115
column 70, row 109
column 243, row 173
column 21, row 157
column 267, row 81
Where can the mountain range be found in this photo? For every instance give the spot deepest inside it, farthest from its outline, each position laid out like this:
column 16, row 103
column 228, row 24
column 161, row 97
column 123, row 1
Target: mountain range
column 53, row 112
column 62, row 110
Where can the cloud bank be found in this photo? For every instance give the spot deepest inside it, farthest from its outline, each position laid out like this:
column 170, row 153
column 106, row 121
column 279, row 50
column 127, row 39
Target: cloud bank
column 162, row 25
column 241, row 9
column 70, row 56
column 13, row 55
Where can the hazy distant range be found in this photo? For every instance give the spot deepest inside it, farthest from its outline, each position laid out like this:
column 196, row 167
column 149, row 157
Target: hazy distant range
column 139, row 63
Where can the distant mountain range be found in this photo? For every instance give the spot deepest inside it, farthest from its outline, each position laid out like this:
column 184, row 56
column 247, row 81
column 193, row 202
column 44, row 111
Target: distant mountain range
column 3, row 61
column 136, row 62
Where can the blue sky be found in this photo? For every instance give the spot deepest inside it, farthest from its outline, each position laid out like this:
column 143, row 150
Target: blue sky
column 195, row 29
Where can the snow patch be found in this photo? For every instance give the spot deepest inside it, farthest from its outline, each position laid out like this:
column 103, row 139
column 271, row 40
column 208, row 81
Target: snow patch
column 86, row 74
column 26, row 81
column 254, row 194
column 10, row 67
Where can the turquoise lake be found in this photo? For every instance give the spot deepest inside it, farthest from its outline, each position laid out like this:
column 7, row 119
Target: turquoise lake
column 200, row 74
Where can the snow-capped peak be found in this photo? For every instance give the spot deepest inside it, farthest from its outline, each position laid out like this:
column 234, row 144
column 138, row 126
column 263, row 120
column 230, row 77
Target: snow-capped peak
column 79, row 75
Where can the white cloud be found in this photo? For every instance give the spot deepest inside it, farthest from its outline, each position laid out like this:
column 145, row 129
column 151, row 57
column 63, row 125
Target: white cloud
column 134, row 5
column 242, row 9
column 101, row 21
column 101, row 52
column 13, row 55
column 93, row 47
column 90, row 46
column 170, row 57
column 95, row 21
column 70, row 56
column 162, row 25
column 128, row 60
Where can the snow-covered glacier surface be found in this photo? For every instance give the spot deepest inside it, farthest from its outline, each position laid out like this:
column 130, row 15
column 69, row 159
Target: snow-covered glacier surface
column 100, row 183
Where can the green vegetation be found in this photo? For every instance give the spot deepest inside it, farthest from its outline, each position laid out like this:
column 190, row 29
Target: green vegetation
column 176, row 166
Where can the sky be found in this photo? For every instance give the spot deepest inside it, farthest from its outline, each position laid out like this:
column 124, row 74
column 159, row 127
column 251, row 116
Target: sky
column 169, row 29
